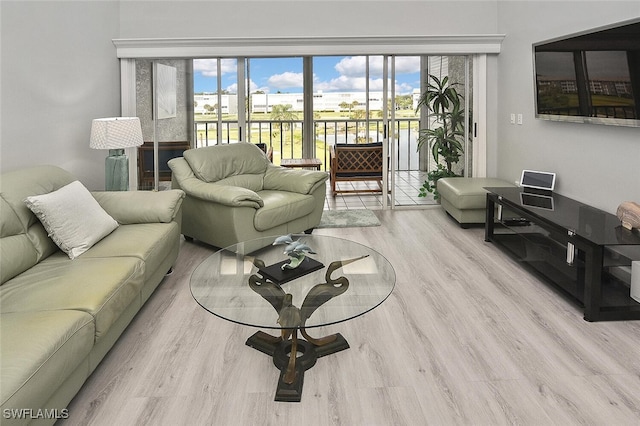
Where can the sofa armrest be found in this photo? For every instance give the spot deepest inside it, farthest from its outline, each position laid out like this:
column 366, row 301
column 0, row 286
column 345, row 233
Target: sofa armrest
column 233, row 196
column 300, row 181
column 129, row 207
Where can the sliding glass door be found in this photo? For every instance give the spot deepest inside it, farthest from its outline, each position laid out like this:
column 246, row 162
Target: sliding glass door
column 164, row 103
column 423, row 141
column 444, row 102
column 300, row 106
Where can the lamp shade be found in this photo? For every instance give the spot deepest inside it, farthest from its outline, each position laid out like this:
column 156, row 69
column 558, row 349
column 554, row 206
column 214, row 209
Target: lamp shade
column 116, row 133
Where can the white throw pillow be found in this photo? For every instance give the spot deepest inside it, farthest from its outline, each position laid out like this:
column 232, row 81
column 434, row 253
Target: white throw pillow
column 72, row 217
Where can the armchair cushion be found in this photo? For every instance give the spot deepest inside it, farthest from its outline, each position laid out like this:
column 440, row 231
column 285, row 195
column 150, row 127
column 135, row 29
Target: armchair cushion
column 213, row 163
column 252, row 182
column 233, row 196
column 281, row 207
column 300, row 181
column 214, row 192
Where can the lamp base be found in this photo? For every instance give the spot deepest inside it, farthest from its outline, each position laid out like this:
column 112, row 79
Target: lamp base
column 116, row 167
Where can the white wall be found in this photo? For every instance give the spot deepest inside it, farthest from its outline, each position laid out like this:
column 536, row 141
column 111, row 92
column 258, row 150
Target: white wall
column 59, row 71
column 306, row 18
column 59, row 68
column 596, row 164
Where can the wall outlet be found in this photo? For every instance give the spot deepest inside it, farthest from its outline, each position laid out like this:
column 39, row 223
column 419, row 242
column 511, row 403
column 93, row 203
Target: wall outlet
column 512, row 119
column 519, row 118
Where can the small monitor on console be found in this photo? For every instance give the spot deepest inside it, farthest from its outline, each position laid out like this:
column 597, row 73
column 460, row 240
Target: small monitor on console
column 543, row 182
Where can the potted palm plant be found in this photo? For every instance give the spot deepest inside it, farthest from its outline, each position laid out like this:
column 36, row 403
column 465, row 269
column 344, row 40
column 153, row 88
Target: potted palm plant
column 444, row 136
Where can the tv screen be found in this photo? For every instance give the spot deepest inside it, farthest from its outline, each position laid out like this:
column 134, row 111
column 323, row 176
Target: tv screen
column 591, row 78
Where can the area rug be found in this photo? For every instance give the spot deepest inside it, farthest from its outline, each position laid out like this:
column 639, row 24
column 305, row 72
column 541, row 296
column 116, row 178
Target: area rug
column 348, row 219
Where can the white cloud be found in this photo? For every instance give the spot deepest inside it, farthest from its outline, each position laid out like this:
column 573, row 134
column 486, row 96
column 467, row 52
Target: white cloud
column 342, row 83
column 407, row 64
column 253, row 87
column 403, row 88
column 209, row 67
column 286, row 80
column 352, row 72
column 356, row 65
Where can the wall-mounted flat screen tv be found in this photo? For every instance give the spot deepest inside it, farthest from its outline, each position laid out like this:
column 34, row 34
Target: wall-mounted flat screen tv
column 590, row 78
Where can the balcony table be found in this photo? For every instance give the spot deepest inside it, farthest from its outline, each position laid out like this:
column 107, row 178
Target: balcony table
column 312, row 163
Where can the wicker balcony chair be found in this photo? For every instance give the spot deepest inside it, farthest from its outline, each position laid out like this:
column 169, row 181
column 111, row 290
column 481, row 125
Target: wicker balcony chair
column 356, row 162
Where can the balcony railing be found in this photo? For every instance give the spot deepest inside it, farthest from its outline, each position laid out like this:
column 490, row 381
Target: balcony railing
column 285, row 137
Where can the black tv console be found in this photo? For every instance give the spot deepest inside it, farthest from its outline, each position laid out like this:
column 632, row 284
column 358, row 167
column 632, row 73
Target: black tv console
column 583, row 250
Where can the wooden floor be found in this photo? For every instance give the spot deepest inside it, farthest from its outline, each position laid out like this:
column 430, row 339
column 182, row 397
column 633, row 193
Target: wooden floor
column 466, row 338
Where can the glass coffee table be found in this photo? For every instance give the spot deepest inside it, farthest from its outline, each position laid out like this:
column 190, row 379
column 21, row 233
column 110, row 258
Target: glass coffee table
column 337, row 281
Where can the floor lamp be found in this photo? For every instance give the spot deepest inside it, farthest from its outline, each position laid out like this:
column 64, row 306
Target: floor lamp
column 115, row 134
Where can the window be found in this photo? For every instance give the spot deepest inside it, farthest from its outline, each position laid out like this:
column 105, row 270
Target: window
column 227, row 129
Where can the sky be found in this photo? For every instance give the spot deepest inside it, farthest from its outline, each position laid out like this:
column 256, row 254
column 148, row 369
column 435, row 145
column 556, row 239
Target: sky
column 330, row 74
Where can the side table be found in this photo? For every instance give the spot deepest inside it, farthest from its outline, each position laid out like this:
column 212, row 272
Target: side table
column 312, row 163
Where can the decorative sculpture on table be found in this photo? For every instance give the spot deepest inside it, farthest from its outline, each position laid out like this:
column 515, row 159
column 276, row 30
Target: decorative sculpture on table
column 284, row 348
column 296, row 251
column 629, row 214
column 297, row 264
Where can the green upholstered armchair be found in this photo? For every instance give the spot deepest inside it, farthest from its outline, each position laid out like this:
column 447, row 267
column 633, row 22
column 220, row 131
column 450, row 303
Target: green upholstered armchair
column 234, row 194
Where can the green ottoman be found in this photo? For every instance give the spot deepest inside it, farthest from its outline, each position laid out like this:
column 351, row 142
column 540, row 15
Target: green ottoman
column 465, row 199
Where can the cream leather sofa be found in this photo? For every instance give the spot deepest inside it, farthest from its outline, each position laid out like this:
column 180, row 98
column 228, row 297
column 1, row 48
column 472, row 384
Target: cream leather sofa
column 234, row 194
column 59, row 317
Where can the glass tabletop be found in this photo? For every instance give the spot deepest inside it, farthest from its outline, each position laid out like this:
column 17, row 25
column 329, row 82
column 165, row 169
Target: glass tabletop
column 340, row 280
